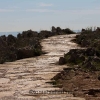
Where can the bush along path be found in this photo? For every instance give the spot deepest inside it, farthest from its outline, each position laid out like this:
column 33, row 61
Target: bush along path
column 20, row 80
column 26, row 44
column 83, row 75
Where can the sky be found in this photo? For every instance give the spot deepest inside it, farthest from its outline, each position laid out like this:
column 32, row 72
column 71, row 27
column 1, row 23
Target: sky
column 21, row 15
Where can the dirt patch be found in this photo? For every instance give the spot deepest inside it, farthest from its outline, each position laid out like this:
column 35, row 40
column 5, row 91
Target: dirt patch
column 79, row 82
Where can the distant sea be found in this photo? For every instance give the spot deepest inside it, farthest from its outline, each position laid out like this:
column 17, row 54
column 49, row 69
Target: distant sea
column 15, row 33
column 7, row 33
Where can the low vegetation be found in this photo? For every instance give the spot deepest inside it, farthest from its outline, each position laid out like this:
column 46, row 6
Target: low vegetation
column 26, row 44
column 82, row 77
column 89, row 58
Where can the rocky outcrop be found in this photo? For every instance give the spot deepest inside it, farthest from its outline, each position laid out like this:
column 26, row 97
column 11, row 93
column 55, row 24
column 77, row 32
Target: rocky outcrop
column 75, row 56
column 88, row 59
column 61, row 61
column 80, row 83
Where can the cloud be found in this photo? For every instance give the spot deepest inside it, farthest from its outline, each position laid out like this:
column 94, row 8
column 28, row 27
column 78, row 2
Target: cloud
column 70, row 11
column 40, row 10
column 45, row 5
column 64, row 11
column 6, row 10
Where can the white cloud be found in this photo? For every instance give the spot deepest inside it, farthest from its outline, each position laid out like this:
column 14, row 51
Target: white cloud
column 6, row 10
column 40, row 10
column 77, row 11
column 60, row 11
column 45, row 5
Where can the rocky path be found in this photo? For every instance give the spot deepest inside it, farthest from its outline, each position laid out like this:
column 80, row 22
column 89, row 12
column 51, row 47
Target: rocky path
column 20, row 80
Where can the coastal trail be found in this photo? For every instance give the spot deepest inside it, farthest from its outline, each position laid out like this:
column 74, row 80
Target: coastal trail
column 19, row 79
